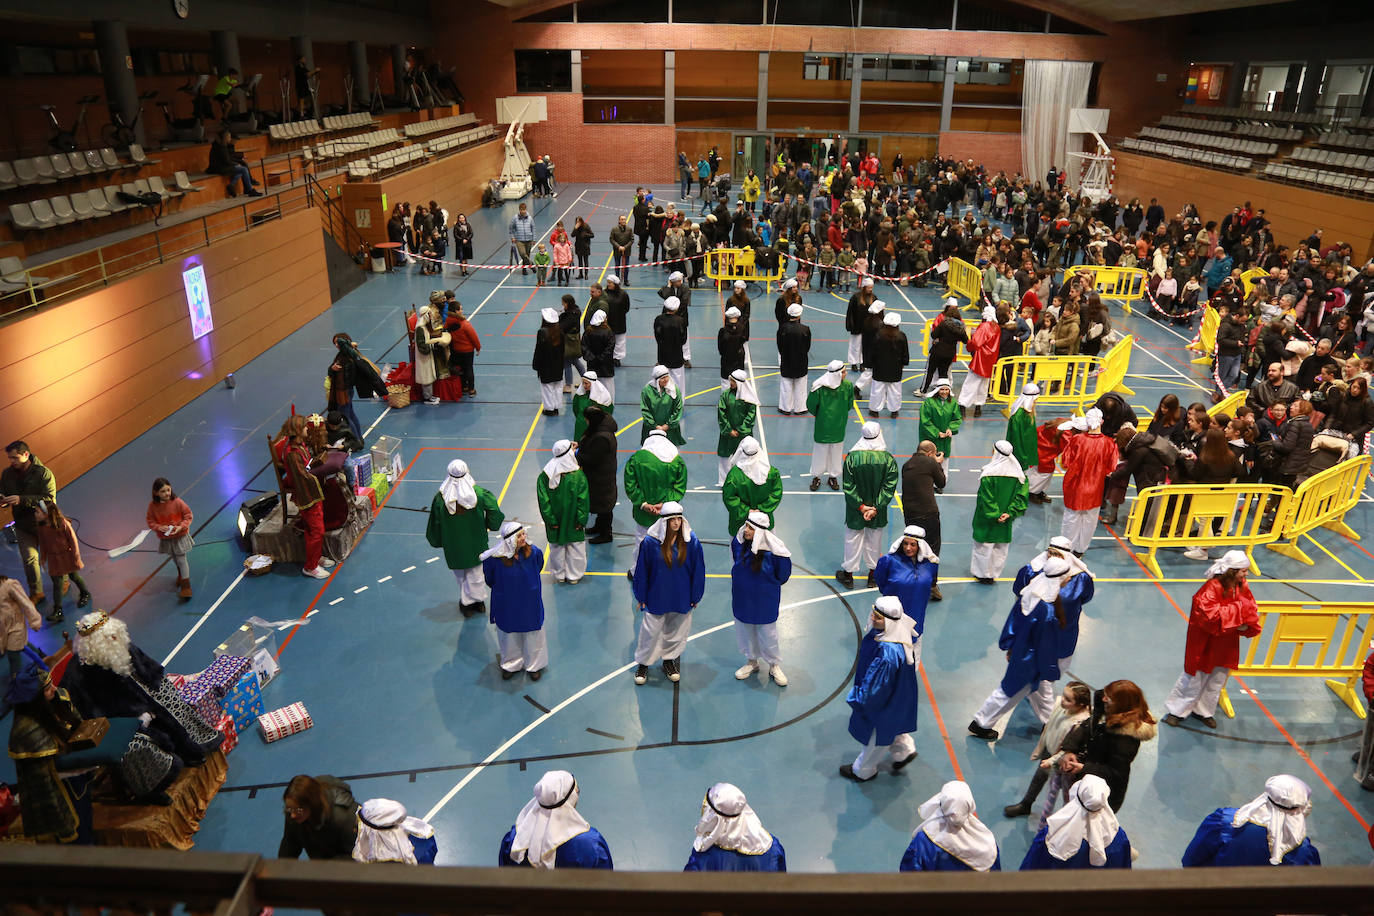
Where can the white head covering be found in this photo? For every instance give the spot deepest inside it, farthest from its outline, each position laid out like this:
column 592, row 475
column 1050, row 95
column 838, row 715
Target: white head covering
column 660, row 446
column 1065, row 547
column 672, row 303
column 951, row 301
column 1086, row 816
column 872, row 439
column 1077, row 424
column 1045, row 586
column 599, row 392
column 1231, row 559
column 1281, row 810
column 790, row 283
column 1093, row 418
column 948, row 819
column 900, row 628
column 548, row 821
column 876, row 307
column 659, row 372
column 744, row 388
column 940, row 383
column 457, row 488
column 989, row 313
column 659, row 529
column 1026, row 400
column 892, row 319
column 866, row 282
column 675, row 277
column 732, row 312
column 613, row 278
column 549, row 315
column 384, row 832
column 764, row 536
column 598, row 318
column 506, row 546
column 727, row 821
column 923, row 551
column 794, row 310
column 741, row 286
column 750, row 458
column 834, row 371
column 564, row 460
column 1003, row 463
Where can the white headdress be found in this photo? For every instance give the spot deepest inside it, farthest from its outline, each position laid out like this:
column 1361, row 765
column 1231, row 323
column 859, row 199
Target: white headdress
column 659, row 372
column 1003, row 463
column 598, row 318
column 672, row 303
column 1282, row 811
column 599, row 392
column 989, row 313
column 834, row 371
column 732, row 312
column 876, row 307
column 764, row 536
column 549, row 315
column 790, row 283
column 1026, row 400
column 675, row 277
column 948, row 819
column 727, row 821
column 1232, row 559
column 900, row 628
column 1093, row 418
column 923, row 551
column 741, row 286
column 548, row 821
column 940, row 383
column 744, row 388
column 1065, row 548
column 1086, row 816
column 659, row 529
column 506, row 546
column 1077, row 424
column 794, row 310
column 457, row 488
column 660, row 446
column 613, row 278
column 1045, row 585
column 384, row 832
column 564, row 461
column 866, row 282
column 871, row 440
column 892, row 319
column 750, row 458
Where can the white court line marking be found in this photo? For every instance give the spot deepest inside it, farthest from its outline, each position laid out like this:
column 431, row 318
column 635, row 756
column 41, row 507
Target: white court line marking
column 487, row 761
column 311, row 614
column 383, row 579
column 369, row 430
column 359, row 591
column 430, row 560
column 335, row 601
column 509, row 273
column 407, row 569
column 204, row 617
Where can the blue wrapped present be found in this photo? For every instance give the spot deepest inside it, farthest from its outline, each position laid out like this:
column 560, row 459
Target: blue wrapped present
column 243, row 702
column 206, row 693
column 358, row 467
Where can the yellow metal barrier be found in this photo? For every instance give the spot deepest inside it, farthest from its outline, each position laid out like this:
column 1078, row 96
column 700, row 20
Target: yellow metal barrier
column 1321, row 501
column 726, row 265
column 1228, row 404
column 1206, row 340
column 1076, row 380
column 1237, row 515
column 1124, row 284
column 1320, row 639
column 970, row 325
column 1250, row 277
column 963, row 279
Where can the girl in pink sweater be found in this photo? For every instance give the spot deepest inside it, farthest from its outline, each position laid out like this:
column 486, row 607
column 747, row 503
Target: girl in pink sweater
column 170, row 519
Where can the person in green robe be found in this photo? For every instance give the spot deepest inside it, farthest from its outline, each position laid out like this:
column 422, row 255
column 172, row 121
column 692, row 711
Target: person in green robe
column 660, row 404
column 940, row 418
column 752, row 485
column 736, row 413
column 591, row 391
column 564, row 504
column 459, row 518
column 1021, row 427
column 1003, row 496
column 829, row 402
column 870, row 481
column 654, row 475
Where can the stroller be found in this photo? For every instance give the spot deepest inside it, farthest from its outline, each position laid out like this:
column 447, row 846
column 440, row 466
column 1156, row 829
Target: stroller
column 719, row 191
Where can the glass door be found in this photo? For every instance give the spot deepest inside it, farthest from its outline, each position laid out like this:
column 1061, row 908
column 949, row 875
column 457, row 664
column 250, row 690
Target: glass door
column 751, row 152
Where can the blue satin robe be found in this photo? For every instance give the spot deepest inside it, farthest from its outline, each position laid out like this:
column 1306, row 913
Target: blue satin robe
column 1217, row 843
column 923, row 855
column 909, row 582
column 586, row 850
column 717, row 859
column 1038, row 856
column 885, row 694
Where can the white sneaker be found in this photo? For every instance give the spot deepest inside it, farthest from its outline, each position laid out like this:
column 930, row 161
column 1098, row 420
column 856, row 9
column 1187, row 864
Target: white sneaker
column 748, row 671
column 432, row 401
column 326, row 562
column 775, row 672
column 316, row 573
column 1196, row 553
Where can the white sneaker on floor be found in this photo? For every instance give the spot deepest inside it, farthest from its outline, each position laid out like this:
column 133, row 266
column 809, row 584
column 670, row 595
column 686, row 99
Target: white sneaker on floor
column 316, row 573
column 326, row 562
column 1196, row 553
column 775, row 672
column 748, row 671
column 432, row 401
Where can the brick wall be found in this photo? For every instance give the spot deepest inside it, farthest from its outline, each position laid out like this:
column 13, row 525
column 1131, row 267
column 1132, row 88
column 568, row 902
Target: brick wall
column 995, row 150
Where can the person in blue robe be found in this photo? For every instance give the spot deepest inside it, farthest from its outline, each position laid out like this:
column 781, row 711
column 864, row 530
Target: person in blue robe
column 387, row 834
column 1030, row 637
column 669, row 579
column 762, row 563
column 1083, row 834
column 730, row 836
column 908, row 571
column 951, row 837
column 884, row 698
column 551, row 833
column 511, row 569
column 1271, row 830
column 1077, row 590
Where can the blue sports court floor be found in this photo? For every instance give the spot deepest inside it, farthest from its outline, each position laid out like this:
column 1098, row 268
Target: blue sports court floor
column 407, row 699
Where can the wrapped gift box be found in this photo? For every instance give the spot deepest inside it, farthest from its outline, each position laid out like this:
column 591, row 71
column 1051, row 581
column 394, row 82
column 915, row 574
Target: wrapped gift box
column 226, row 727
column 206, row 692
column 243, row 702
column 380, row 485
column 362, row 468
column 256, row 640
column 371, row 495
column 288, row 720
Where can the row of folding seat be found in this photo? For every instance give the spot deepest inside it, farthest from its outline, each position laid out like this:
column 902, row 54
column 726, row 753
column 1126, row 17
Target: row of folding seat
column 46, row 213
column 348, row 121
column 425, row 128
column 294, row 130
column 357, row 143
column 1346, row 139
column 1207, row 157
column 61, row 166
column 460, row 139
column 1332, row 157
column 1250, row 114
column 1336, row 181
column 381, row 162
column 1212, row 141
column 1365, row 123
column 1260, row 131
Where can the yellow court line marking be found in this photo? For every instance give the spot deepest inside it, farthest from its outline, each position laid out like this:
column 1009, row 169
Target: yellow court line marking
column 1323, row 549
column 605, row 267
column 518, row 455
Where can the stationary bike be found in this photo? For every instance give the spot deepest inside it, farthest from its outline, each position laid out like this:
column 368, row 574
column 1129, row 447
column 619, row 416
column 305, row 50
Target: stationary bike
column 192, row 129
column 63, row 140
column 120, row 133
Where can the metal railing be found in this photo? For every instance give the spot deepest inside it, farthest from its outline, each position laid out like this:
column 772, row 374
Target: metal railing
column 230, row 884
column 332, row 216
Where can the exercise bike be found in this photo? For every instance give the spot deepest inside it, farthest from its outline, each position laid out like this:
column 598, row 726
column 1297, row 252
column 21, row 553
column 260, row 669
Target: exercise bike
column 192, row 129
column 122, row 134
column 64, row 140
column 245, row 122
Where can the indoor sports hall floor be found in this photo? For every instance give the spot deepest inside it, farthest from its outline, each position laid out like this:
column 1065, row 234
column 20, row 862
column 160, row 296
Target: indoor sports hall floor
column 408, row 702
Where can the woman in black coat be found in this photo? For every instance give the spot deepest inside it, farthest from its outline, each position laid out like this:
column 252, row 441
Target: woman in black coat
column 730, row 344
column 1351, row 413
column 598, row 348
column 1107, row 743
column 1294, row 446
column 945, row 339
column 321, row 819
column 548, row 362
column 462, row 242
column 596, row 453
column 582, row 236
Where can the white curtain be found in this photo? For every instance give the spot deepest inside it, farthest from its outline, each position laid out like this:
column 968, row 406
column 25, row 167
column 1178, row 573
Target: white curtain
column 1050, row 89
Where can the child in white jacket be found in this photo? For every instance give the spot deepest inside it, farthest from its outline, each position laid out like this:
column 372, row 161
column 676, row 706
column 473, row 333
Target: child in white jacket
column 1073, row 707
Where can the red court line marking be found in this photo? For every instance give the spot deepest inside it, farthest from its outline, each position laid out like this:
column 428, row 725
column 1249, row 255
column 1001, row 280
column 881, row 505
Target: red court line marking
column 1246, row 687
column 940, row 723
column 1356, row 545
column 517, row 316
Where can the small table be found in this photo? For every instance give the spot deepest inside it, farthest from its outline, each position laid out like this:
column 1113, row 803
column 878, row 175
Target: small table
column 390, row 248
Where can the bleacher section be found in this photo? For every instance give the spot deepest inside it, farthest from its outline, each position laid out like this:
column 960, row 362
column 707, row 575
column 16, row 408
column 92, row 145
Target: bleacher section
column 64, row 209
column 1250, row 114
column 349, row 121
column 1261, row 131
column 347, row 146
column 296, row 130
column 1329, row 180
column 1207, row 157
column 425, row 128
column 1345, row 139
column 40, row 170
column 1211, row 141
column 451, row 141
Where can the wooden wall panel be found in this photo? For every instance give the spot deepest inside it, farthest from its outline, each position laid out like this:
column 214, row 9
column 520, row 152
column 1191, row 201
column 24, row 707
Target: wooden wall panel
column 1294, row 211
column 912, row 148
column 902, row 119
column 993, row 120
column 629, row 73
column 785, row 80
column 725, row 74
column 82, row 379
column 696, row 142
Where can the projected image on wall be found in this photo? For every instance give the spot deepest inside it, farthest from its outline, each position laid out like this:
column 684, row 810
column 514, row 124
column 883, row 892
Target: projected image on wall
column 198, row 301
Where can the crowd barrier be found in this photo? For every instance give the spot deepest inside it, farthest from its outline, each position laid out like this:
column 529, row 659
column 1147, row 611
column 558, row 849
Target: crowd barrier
column 1321, row 501
column 1315, row 640
column 1076, row 380
column 1206, row 340
column 1124, row 284
column 964, row 280
column 1252, row 276
column 1234, row 515
column 1228, row 404
column 726, row 265
column 970, row 325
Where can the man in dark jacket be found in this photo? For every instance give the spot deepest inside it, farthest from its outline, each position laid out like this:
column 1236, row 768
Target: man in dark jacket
column 622, row 240
column 227, row 161
column 23, row 485
column 617, row 313
column 1271, row 389
column 1232, row 336
column 596, row 453
column 327, row 834
column 641, row 213
column 794, row 350
column 923, row 476
column 1310, row 372
column 676, row 287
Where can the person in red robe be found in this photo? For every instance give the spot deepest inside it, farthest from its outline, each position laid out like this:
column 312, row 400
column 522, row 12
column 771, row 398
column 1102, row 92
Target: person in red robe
column 1050, row 439
column 1088, row 458
column 1223, row 612
column 984, row 346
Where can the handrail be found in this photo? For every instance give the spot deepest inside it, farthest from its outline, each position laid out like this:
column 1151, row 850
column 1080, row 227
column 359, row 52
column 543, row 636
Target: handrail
column 336, row 224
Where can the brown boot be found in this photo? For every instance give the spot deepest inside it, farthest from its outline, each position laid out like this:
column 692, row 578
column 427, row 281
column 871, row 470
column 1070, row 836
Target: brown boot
column 184, row 589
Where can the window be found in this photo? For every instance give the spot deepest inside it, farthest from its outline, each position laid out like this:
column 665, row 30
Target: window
column 543, row 71
column 734, row 12
column 622, row 111
column 904, row 14
column 562, row 13
column 817, row 67
column 622, row 11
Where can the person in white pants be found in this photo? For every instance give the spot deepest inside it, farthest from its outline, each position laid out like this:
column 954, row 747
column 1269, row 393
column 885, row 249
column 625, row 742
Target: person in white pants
column 1028, row 638
column 545, row 353
column 1088, row 460
column 794, row 348
column 618, row 352
column 1047, row 453
column 511, row 569
column 460, row 515
column 1002, row 498
column 564, row 500
column 890, row 346
column 832, row 396
column 884, row 698
column 762, row 566
column 1223, row 611
column 870, row 482
column 984, row 346
column 854, row 318
column 669, row 580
